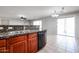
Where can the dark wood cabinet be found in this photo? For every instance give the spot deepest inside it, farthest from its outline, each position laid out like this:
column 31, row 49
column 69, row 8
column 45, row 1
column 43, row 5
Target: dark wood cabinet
column 32, row 42
column 18, row 47
column 2, row 42
column 3, row 46
column 17, row 44
column 3, row 49
column 15, row 39
column 24, row 43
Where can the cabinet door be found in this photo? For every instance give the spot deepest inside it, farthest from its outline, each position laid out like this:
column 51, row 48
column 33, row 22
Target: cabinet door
column 3, row 50
column 3, row 43
column 3, row 46
column 18, row 47
column 32, row 43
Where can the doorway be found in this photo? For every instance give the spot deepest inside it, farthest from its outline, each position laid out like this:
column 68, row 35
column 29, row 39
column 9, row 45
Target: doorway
column 66, row 26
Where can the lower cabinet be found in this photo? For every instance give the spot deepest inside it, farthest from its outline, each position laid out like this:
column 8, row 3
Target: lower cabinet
column 17, row 44
column 3, row 46
column 32, row 43
column 3, row 49
column 18, row 47
column 23, row 44
column 27, row 43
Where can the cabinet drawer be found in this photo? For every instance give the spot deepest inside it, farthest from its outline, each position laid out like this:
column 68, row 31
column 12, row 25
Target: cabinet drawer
column 16, row 39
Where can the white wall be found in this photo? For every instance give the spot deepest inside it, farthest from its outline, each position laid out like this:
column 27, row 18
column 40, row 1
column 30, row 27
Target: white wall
column 0, row 21
column 50, row 24
column 16, row 22
column 4, row 22
column 13, row 22
column 77, row 26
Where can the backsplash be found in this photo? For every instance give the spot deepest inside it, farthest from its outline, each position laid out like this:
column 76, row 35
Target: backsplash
column 6, row 28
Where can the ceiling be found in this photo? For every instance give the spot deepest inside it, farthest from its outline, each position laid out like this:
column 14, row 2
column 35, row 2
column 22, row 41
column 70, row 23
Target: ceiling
column 33, row 12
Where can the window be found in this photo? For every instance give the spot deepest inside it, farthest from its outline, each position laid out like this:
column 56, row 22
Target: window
column 66, row 26
column 38, row 23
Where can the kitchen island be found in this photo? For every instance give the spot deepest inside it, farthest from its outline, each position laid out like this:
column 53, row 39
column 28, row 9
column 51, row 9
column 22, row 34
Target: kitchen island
column 22, row 41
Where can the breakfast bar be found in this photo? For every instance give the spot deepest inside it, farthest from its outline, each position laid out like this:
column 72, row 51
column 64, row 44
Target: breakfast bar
column 22, row 41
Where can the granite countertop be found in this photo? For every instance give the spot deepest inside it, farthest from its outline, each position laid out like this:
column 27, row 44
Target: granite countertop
column 15, row 33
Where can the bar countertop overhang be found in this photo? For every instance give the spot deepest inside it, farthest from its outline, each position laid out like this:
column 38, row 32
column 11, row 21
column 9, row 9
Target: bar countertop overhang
column 16, row 33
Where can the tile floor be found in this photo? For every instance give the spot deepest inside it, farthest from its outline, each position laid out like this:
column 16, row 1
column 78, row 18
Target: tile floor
column 61, row 44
